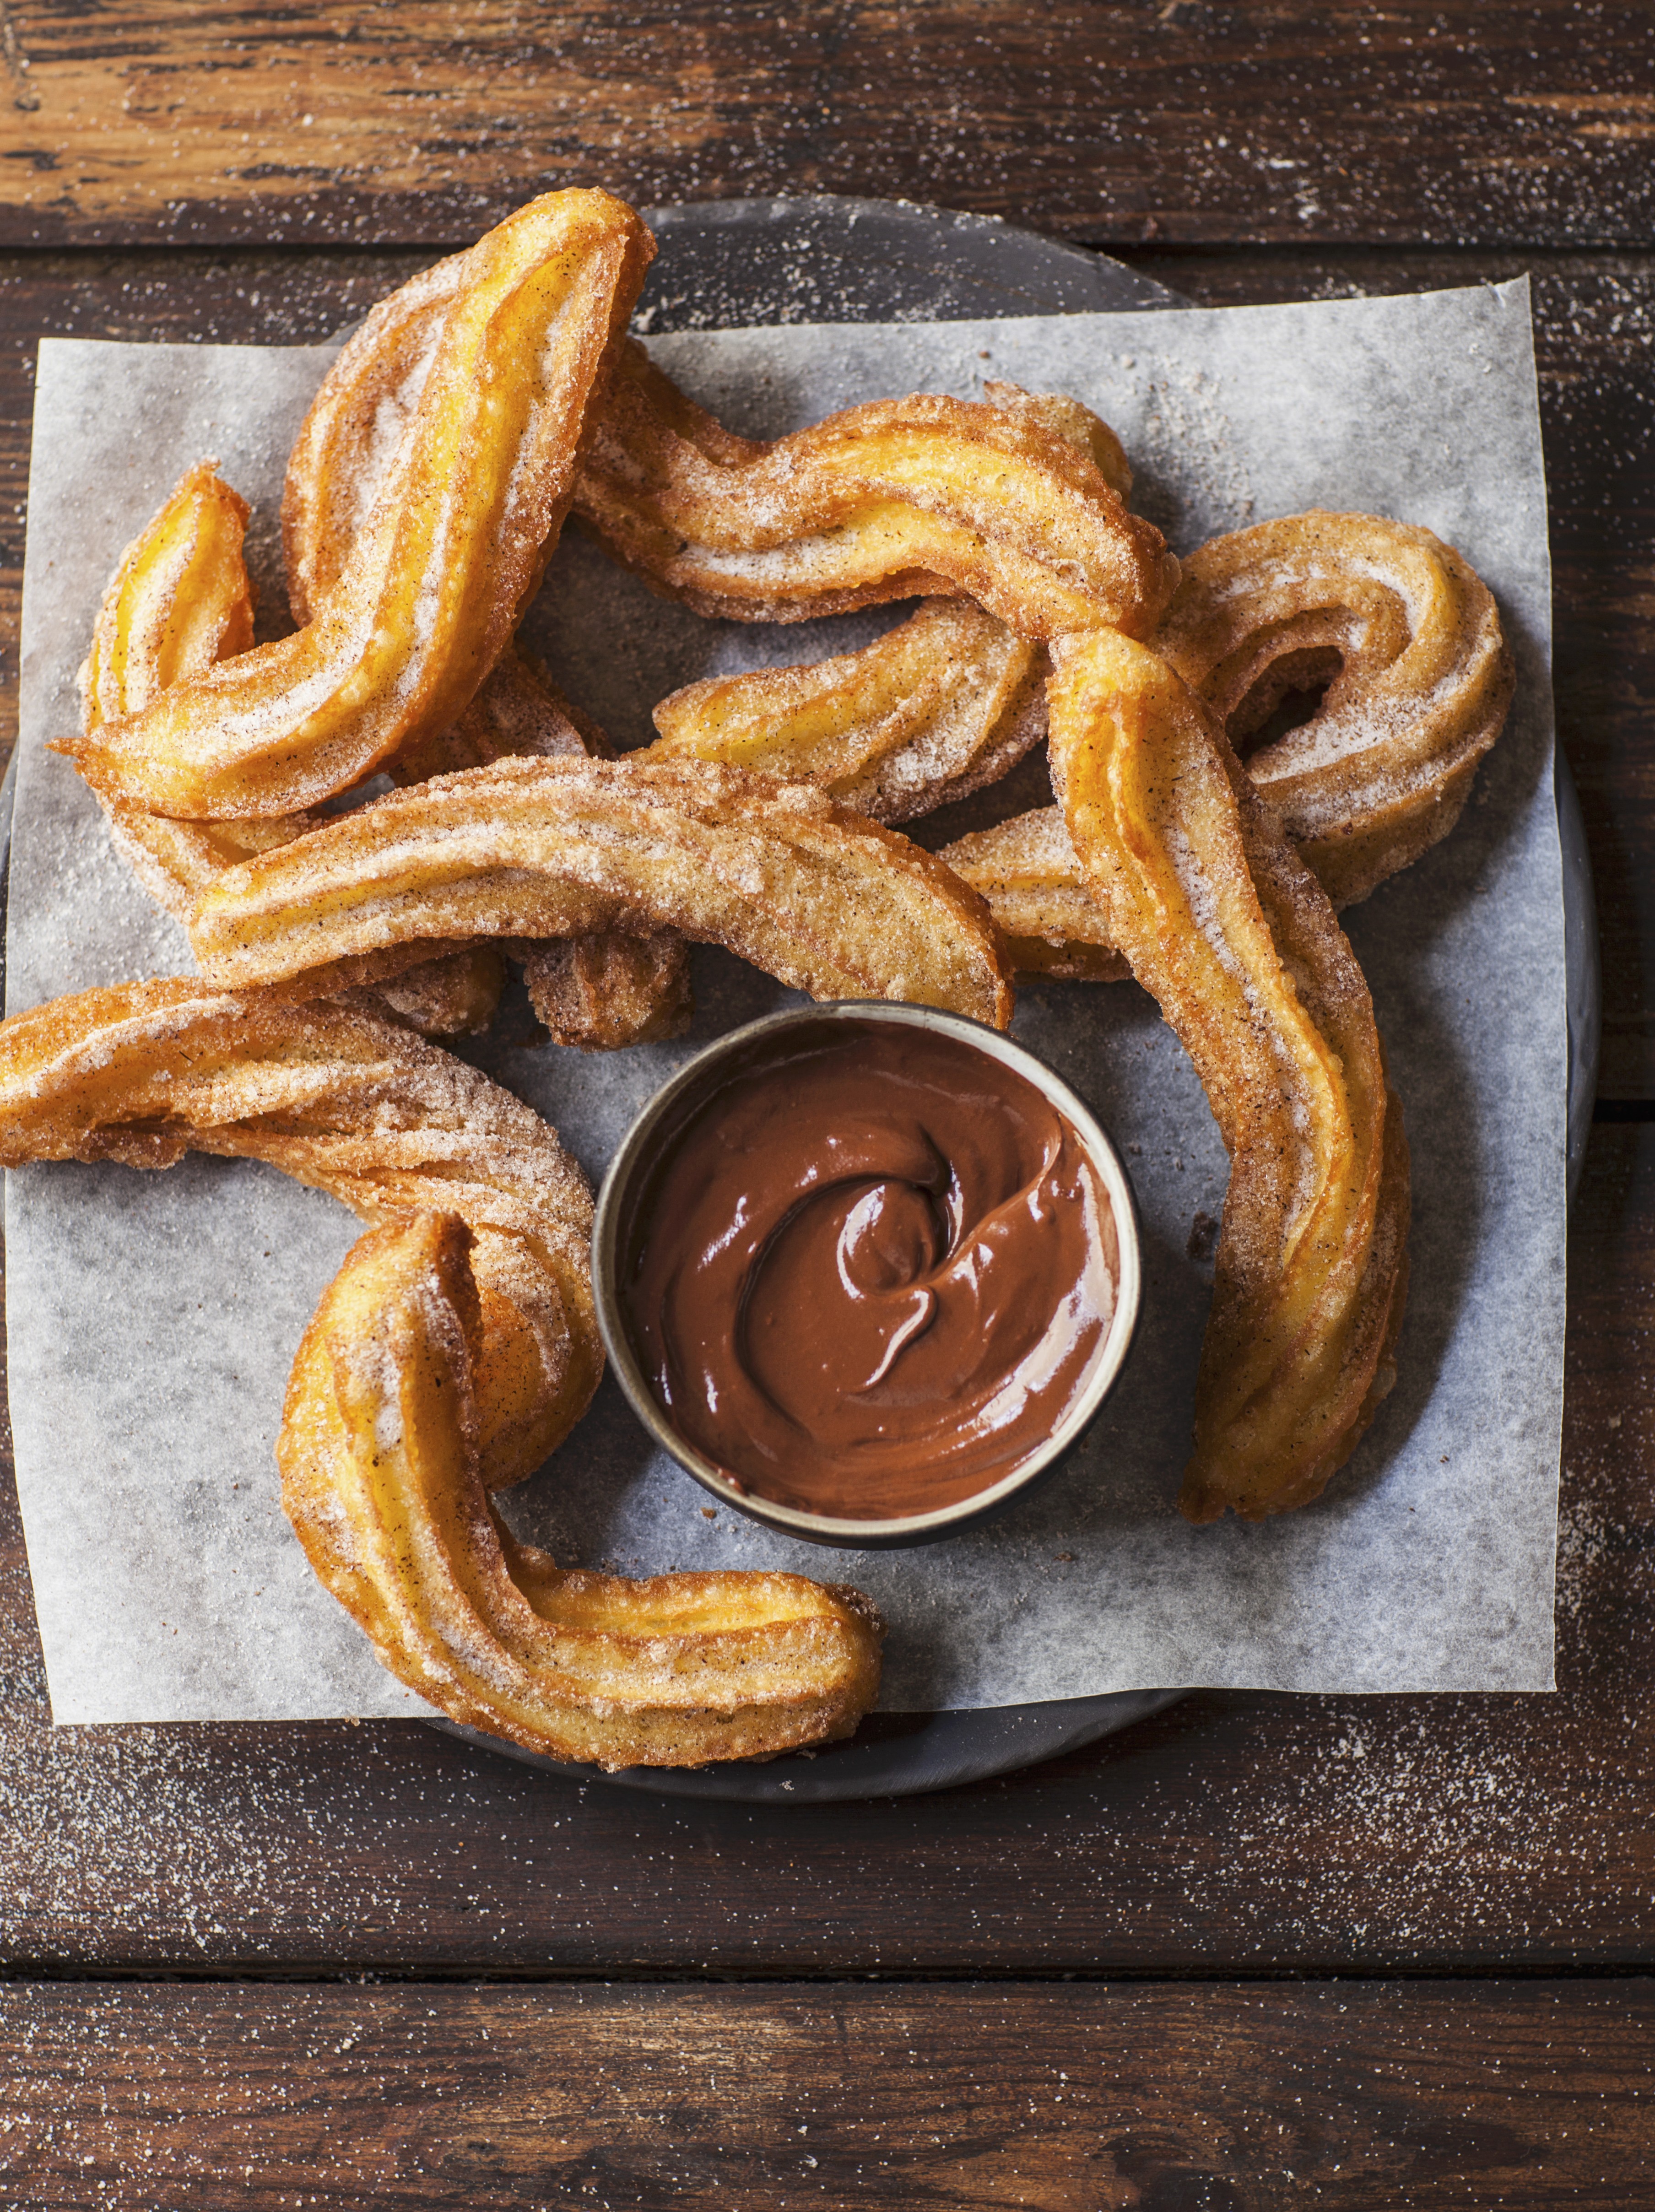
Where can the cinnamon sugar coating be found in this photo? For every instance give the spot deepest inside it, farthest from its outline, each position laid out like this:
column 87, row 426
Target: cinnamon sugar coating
column 446, row 559
column 895, row 499
column 817, row 897
column 381, row 1478
column 1238, row 943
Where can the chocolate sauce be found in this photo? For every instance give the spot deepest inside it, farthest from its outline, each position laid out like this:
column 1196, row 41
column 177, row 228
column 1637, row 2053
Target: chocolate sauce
column 873, row 1272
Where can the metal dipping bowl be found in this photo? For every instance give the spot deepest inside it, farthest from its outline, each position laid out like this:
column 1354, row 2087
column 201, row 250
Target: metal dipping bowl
column 623, row 1205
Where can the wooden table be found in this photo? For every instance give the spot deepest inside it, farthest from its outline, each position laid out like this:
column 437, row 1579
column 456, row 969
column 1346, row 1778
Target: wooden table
column 1366, row 1952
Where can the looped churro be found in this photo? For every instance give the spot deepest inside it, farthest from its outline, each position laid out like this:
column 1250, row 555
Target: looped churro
column 896, row 499
column 1235, row 940
column 1421, row 680
column 446, row 560
column 351, row 1103
column 379, row 1479
column 813, row 895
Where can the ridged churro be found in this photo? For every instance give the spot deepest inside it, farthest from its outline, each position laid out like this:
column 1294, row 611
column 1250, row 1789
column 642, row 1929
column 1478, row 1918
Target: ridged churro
column 342, row 1099
column 817, row 897
column 380, row 1476
column 445, row 563
column 895, row 499
column 1407, row 640
column 1238, row 943
column 601, row 992
column 1420, row 680
column 941, row 705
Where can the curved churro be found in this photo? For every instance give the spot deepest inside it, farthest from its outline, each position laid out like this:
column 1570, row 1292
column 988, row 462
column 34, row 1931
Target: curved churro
column 1421, row 680
column 595, row 996
column 449, row 557
column 1231, row 934
column 379, row 1479
column 900, row 497
column 351, row 1103
column 821, row 898
column 180, row 601
column 349, row 441
column 941, row 705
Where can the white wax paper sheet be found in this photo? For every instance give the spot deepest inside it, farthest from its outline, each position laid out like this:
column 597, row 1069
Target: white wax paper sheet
column 151, row 1318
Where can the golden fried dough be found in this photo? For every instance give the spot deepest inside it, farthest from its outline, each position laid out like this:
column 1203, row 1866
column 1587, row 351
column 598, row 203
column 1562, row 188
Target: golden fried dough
column 180, row 601
column 380, row 1478
column 349, row 441
column 938, row 708
column 895, row 499
column 604, row 991
column 338, row 465
column 1422, row 684
column 457, row 996
column 1026, row 873
column 446, row 562
column 351, row 1103
column 1421, row 680
column 519, row 712
column 1238, row 943
column 943, row 705
column 824, row 901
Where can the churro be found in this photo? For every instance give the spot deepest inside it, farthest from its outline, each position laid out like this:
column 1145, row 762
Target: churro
column 1238, row 943
column 340, row 1098
column 817, row 897
column 381, row 1478
column 1405, row 637
column 445, row 563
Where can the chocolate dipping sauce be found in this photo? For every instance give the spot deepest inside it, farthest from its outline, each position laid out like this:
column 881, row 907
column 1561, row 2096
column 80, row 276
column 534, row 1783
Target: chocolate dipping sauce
column 872, row 1271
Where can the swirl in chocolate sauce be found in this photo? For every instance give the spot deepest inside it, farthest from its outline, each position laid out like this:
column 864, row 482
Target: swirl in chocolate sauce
column 873, row 1272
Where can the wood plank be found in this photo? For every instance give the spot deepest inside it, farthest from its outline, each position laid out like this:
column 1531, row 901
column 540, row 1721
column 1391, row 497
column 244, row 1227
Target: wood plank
column 1067, row 2100
column 1595, row 329
column 346, row 121
column 1235, row 1834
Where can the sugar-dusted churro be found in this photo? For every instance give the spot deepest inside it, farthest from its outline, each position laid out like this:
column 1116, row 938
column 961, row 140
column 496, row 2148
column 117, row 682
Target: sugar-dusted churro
column 900, row 497
column 1238, row 943
column 446, row 561
column 381, row 1478
column 818, row 896
column 353, row 1105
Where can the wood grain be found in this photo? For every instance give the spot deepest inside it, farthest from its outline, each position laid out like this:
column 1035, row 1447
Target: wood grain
column 349, row 121
column 1235, row 1834
column 1594, row 331
column 1079, row 2098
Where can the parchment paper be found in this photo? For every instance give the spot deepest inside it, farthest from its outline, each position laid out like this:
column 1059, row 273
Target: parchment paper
column 152, row 1317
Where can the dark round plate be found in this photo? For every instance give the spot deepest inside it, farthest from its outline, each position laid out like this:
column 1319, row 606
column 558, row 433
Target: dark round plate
column 837, row 260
